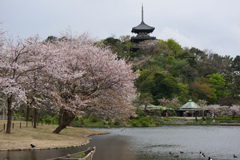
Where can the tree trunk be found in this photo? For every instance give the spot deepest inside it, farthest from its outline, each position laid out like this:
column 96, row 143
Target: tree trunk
column 35, row 118
column 196, row 116
column 63, row 125
column 10, row 112
column 28, row 112
column 66, row 116
column 60, row 117
column 233, row 116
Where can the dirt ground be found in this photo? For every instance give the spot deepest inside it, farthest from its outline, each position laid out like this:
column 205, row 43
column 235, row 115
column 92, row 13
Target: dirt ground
column 43, row 136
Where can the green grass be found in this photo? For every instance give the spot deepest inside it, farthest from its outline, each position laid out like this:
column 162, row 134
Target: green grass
column 177, row 118
column 151, row 120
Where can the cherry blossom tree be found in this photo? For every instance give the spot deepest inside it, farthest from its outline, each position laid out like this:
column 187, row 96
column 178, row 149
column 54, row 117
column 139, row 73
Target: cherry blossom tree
column 2, row 38
column 235, row 109
column 17, row 62
column 150, row 46
column 86, row 77
column 70, row 76
column 170, row 103
column 225, row 110
column 202, row 103
column 214, row 109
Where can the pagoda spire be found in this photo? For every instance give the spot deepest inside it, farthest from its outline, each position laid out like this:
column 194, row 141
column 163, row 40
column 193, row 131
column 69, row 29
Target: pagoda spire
column 142, row 31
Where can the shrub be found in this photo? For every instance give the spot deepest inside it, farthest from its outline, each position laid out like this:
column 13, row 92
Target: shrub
column 145, row 119
column 84, row 116
column 48, row 120
column 208, row 119
column 131, row 117
column 107, row 119
column 159, row 112
column 39, row 119
column 157, row 123
column 142, row 114
column 82, row 120
column 94, row 119
column 134, row 124
column 156, row 118
column 166, row 119
column 145, row 124
column 138, row 117
column 116, row 122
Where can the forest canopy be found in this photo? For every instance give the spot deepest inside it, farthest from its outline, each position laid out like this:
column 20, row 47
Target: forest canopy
column 169, row 70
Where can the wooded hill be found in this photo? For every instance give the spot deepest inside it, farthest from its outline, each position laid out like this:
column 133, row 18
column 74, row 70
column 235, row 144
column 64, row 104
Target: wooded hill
column 170, row 70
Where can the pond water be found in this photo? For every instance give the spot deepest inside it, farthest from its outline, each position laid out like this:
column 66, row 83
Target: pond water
column 217, row 142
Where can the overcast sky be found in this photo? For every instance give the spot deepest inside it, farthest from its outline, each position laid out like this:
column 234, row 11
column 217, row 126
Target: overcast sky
column 204, row 24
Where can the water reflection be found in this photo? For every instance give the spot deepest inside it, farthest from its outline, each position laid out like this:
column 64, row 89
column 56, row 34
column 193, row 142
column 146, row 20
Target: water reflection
column 218, row 142
column 113, row 148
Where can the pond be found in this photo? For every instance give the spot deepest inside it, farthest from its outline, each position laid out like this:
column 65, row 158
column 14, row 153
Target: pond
column 217, row 142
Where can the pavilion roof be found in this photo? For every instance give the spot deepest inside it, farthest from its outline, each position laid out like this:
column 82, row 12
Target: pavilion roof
column 190, row 105
column 153, row 107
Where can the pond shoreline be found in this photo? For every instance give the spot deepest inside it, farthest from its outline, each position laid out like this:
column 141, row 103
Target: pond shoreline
column 43, row 137
column 167, row 124
column 31, row 149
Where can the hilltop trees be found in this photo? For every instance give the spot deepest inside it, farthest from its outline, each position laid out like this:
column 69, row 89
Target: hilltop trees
column 218, row 82
column 200, row 74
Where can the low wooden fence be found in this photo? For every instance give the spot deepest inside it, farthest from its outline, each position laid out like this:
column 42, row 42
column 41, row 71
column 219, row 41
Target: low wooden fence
column 16, row 118
column 20, row 125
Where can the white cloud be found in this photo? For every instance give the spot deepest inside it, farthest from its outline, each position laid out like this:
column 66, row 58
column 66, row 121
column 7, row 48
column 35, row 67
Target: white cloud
column 183, row 40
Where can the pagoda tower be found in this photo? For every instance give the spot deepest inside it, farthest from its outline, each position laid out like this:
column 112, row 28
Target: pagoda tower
column 142, row 31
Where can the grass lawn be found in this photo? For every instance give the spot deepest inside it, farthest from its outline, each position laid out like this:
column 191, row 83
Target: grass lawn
column 43, row 136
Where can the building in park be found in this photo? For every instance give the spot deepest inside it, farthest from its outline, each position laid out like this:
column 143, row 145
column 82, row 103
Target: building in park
column 190, row 108
column 142, row 30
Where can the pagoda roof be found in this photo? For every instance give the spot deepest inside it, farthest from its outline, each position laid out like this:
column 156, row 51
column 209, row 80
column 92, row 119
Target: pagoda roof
column 134, row 48
column 143, row 27
column 140, row 39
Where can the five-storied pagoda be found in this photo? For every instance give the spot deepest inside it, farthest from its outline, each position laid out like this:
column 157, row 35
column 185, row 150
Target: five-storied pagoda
column 142, row 31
